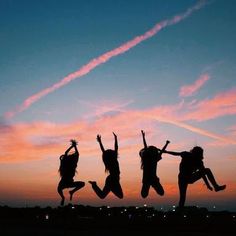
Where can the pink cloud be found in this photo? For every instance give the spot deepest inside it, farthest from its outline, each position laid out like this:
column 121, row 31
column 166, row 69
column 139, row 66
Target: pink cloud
column 38, row 140
column 102, row 59
column 221, row 104
column 232, row 130
column 189, row 90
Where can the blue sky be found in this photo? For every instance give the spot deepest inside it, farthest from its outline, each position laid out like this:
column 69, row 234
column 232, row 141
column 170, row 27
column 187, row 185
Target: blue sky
column 42, row 41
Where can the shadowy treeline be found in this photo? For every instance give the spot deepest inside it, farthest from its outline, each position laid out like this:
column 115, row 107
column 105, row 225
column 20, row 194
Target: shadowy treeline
column 79, row 217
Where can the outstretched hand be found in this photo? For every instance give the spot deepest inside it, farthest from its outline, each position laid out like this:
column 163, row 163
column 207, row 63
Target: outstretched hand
column 143, row 133
column 114, row 135
column 73, row 142
column 99, row 138
column 167, row 141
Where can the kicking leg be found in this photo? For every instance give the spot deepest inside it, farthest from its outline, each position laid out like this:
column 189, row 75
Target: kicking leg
column 101, row 193
column 211, row 178
column 203, row 173
column 78, row 185
column 117, row 190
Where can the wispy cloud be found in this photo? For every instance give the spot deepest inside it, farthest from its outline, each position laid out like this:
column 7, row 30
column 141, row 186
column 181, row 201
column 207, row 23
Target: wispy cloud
column 164, row 119
column 38, row 140
column 191, row 89
column 104, row 58
column 104, row 107
column 222, row 104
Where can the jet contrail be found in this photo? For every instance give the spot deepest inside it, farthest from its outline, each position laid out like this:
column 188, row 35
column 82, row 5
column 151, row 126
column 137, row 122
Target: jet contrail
column 103, row 58
column 193, row 129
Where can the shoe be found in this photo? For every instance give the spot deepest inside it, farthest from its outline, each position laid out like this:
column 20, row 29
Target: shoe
column 220, row 188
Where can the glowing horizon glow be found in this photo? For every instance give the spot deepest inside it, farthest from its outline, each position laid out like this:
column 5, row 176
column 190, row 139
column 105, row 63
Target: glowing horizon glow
column 104, row 58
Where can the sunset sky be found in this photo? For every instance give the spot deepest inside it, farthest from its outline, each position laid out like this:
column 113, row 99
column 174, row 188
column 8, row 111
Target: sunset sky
column 78, row 68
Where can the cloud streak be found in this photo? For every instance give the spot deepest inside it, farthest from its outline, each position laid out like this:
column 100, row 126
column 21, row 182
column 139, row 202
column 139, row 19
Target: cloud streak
column 103, row 58
column 191, row 128
column 221, row 104
column 38, row 140
column 189, row 90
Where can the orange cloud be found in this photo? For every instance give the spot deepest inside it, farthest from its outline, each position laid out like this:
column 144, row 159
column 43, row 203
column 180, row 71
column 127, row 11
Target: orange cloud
column 37, row 140
column 189, row 90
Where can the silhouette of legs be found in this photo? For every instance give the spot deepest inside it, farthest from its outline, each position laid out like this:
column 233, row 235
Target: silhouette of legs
column 182, row 191
column 111, row 184
column 184, row 181
column 68, row 184
column 155, row 183
column 208, row 173
column 145, row 189
column 117, row 190
column 158, row 187
column 78, row 185
column 100, row 193
column 60, row 188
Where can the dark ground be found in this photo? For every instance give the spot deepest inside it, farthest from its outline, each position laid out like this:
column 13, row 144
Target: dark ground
column 103, row 221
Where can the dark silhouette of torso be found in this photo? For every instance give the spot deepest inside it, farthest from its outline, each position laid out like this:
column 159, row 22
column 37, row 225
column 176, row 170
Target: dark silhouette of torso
column 189, row 164
column 150, row 157
column 68, row 167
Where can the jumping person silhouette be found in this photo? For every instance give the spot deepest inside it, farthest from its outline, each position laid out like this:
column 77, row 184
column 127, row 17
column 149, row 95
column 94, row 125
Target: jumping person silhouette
column 110, row 161
column 150, row 155
column 67, row 170
column 192, row 169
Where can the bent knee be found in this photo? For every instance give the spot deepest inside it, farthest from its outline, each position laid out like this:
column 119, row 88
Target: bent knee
column 207, row 170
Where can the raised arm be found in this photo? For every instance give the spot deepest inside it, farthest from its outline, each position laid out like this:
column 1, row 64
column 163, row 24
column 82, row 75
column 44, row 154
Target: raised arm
column 100, row 142
column 116, row 142
column 67, row 151
column 74, row 145
column 164, row 147
column 144, row 140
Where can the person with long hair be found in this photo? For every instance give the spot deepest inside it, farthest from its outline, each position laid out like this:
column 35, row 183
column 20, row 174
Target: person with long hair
column 110, row 160
column 67, row 170
column 191, row 169
column 150, row 155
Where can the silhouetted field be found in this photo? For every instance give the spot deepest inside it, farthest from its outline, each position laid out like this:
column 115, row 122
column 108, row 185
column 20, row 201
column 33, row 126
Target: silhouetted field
column 87, row 220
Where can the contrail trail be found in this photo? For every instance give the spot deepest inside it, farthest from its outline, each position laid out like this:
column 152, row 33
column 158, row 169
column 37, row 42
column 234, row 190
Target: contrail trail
column 104, row 58
column 196, row 130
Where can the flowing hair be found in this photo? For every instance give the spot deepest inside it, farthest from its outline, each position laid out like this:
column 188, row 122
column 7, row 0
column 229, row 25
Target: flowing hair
column 110, row 161
column 68, row 165
column 148, row 154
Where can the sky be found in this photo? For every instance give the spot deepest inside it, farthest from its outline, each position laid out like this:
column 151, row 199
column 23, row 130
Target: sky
column 75, row 69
